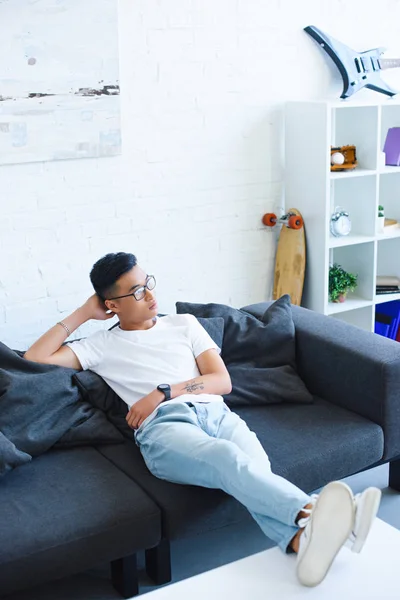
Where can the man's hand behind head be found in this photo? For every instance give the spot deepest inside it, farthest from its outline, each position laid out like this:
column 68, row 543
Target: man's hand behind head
column 95, row 308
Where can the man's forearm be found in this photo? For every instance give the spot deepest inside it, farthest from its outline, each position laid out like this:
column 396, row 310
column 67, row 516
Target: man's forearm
column 214, row 383
column 53, row 339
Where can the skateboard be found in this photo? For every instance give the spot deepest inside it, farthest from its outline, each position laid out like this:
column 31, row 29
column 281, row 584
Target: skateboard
column 290, row 259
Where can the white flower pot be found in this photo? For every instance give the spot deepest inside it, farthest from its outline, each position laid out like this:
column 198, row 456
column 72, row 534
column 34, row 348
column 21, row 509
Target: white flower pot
column 381, row 224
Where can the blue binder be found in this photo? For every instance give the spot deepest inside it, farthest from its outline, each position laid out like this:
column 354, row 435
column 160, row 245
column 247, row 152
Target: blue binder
column 382, row 329
column 392, row 310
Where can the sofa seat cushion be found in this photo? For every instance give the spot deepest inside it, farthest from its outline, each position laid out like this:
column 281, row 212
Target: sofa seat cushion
column 312, row 445
column 307, row 444
column 186, row 510
column 66, row 511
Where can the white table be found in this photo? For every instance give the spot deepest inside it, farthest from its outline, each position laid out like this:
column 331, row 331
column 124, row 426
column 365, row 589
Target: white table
column 270, row 575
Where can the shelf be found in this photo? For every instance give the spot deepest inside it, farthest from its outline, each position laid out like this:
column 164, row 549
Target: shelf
column 351, row 103
column 351, row 240
column 379, row 298
column 317, row 192
column 392, row 233
column 351, row 303
column 388, row 169
column 354, row 173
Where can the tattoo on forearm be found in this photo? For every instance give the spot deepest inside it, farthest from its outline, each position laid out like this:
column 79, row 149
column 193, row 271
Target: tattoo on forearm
column 193, row 386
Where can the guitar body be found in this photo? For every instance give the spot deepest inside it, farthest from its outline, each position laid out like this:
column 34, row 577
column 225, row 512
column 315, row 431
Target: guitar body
column 358, row 69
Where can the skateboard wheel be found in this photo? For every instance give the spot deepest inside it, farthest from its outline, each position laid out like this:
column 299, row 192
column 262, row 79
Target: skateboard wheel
column 269, row 219
column 295, row 222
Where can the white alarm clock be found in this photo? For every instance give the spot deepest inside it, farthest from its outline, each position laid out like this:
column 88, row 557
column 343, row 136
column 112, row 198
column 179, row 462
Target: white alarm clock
column 340, row 222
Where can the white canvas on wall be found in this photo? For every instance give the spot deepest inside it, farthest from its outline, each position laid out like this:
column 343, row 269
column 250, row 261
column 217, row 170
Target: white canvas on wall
column 59, row 80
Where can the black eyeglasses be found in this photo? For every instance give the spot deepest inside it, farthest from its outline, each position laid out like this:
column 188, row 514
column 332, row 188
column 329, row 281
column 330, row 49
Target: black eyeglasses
column 140, row 292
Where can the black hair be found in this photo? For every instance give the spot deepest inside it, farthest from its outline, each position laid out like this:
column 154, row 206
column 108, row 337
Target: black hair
column 108, row 269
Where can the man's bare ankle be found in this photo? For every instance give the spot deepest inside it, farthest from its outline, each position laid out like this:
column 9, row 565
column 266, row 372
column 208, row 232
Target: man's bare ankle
column 295, row 543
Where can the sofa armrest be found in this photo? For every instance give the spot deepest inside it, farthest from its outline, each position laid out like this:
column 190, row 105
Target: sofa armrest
column 350, row 367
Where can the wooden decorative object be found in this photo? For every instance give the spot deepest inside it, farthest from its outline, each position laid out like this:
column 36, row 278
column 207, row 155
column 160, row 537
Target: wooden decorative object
column 290, row 258
column 350, row 158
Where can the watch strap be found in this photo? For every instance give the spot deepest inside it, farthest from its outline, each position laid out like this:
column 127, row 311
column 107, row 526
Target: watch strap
column 165, row 388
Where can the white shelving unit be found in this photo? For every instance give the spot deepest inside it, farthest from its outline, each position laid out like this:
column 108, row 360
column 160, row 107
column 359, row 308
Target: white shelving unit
column 311, row 128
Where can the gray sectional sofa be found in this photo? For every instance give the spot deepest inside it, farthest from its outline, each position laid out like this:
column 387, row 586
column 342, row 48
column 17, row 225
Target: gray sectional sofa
column 70, row 509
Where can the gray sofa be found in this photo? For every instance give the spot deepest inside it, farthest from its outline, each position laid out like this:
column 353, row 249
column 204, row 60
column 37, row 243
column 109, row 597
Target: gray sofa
column 71, row 509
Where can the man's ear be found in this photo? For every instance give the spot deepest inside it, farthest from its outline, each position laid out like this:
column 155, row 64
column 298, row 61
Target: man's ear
column 111, row 305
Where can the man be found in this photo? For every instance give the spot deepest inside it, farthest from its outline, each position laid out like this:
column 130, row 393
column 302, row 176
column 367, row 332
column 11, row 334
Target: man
column 169, row 372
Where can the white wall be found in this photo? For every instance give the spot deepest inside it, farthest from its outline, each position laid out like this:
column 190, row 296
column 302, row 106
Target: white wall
column 204, row 82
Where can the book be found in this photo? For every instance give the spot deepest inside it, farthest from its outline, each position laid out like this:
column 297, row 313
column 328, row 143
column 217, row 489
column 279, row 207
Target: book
column 392, row 147
column 391, row 310
column 381, row 328
column 382, row 324
column 391, row 231
column 390, row 226
column 387, row 280
column 387, row 289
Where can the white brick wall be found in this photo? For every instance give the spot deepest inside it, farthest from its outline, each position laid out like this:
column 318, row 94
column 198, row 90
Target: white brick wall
column 204, row 82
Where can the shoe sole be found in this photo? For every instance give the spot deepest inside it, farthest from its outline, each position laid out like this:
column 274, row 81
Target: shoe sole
column 333, row 513
column 370, row 506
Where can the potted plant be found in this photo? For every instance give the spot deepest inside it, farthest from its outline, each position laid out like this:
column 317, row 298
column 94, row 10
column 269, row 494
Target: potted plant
column 381, row 218
column 340, row 282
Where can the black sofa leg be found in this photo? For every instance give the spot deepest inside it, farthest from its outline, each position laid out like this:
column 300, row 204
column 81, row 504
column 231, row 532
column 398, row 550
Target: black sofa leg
column 158, row 562
column 124, row 576
column 394, row 475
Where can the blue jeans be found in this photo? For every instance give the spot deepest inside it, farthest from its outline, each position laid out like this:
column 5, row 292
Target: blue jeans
column 210, row 446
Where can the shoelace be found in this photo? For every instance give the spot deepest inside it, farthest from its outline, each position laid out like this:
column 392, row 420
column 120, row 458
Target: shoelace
column 304, row 520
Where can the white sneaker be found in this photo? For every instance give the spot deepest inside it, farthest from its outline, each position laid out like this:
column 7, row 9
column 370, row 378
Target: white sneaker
column 366, row 505
column 327, row 529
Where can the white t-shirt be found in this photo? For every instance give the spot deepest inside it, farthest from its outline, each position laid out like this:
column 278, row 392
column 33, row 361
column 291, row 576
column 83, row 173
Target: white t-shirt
column 133, row 363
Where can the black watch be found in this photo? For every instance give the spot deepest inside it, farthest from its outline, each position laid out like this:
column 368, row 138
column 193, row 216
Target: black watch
column 165, row 388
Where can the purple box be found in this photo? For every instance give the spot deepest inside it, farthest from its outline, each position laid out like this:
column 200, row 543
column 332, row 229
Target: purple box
column 392, row 147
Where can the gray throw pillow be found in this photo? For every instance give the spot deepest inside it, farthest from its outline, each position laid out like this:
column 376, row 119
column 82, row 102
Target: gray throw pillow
column 260, row 354
column 214, row 327
column 100, row 395
column 40, row 406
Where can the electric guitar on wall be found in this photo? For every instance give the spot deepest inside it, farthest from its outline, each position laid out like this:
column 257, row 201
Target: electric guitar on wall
column 358, row 69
